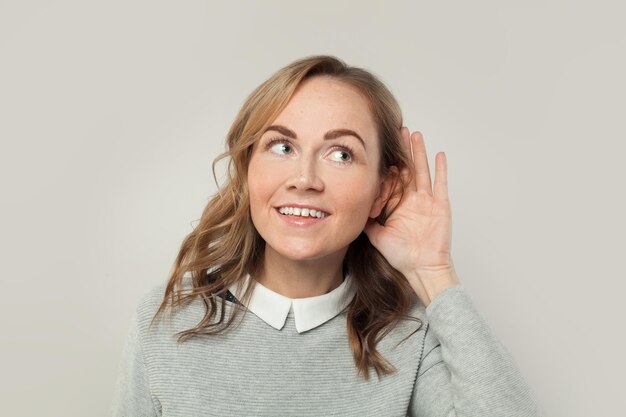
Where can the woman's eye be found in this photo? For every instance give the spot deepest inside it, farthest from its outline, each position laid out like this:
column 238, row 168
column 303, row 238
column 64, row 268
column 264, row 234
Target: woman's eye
column 341, row 156
column 281, row 148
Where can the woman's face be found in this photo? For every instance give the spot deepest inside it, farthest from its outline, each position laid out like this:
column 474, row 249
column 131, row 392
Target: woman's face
column 320, row 154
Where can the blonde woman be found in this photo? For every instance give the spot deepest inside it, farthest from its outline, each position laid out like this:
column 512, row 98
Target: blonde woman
column 319, row 280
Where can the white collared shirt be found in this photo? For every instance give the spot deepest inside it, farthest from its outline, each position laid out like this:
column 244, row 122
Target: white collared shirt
column 309, row 312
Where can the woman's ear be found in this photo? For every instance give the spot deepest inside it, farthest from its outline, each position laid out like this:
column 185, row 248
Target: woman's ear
column 387, row 186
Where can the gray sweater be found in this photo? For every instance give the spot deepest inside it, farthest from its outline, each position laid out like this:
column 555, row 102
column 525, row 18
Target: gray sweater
column 453, row 366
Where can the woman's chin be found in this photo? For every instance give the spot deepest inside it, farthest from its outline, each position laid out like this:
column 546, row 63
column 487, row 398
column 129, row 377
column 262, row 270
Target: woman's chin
column 300, row 253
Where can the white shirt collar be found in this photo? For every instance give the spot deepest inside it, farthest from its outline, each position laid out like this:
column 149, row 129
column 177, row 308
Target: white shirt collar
column 309, row 312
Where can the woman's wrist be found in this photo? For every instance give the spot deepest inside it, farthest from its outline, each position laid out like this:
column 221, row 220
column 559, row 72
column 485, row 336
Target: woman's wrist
column 428, row 283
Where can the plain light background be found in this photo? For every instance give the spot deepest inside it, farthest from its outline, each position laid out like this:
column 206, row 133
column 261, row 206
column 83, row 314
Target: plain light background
column 111, row 113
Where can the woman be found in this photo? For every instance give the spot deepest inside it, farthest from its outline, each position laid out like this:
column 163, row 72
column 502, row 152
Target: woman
column 330, row 233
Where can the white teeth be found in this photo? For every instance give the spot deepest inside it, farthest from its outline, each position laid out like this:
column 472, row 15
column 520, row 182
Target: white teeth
column 304, row 212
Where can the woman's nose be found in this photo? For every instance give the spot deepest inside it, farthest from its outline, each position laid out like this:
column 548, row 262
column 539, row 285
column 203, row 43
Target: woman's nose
column 305, row 176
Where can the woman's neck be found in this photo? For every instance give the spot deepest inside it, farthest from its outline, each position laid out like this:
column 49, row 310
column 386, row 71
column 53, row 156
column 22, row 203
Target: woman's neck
column 300, row 278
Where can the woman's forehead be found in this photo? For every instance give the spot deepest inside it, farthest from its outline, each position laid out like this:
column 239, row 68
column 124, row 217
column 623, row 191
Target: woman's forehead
column 324, row 103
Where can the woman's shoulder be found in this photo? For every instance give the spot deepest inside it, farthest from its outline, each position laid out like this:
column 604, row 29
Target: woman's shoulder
column 182, row 316
column 152, row 298
column 149, row 302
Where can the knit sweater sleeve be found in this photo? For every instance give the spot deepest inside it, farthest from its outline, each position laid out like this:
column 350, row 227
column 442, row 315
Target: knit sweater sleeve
column 465, row 369
column 132, row 396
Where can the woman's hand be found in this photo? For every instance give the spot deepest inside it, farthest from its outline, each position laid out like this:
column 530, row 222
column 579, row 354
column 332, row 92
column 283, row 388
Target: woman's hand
column 417, row 237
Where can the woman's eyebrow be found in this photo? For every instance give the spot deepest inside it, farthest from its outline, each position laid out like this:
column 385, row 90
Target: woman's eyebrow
column 331, row 134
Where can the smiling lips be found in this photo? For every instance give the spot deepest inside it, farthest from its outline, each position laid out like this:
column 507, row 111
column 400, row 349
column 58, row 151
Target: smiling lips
column 302, row 212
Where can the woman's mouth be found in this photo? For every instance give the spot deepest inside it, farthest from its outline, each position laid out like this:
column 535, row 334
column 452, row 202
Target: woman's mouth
column 301, row 216
column 302, row 212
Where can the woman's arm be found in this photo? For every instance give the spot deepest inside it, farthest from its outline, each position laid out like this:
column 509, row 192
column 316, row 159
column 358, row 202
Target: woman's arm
column 466, row 371
column 132, row 392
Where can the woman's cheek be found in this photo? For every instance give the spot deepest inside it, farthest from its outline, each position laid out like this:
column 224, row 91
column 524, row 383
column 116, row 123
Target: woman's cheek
column 355, row 196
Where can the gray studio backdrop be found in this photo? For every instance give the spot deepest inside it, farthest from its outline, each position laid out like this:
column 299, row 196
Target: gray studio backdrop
column 111, row 113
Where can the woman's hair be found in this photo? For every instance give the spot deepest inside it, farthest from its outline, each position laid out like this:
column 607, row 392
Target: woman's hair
column 225, row 246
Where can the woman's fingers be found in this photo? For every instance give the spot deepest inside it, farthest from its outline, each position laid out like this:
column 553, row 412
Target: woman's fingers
column 420, row 161
column 441, row 176
column 406, row 139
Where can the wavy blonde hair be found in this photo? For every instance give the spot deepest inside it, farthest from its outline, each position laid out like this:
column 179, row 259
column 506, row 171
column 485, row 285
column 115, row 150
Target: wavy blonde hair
column 225, row 245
